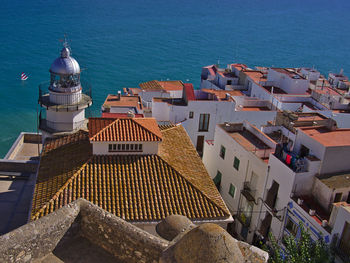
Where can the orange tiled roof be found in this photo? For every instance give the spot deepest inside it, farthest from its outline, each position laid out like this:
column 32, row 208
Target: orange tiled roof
column 56, row 167
column 134, row 187
column 126, row 129
column 151, row 85
column 171, row 85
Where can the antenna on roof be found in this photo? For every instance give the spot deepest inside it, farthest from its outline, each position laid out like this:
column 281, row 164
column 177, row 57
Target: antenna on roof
column 65, row 43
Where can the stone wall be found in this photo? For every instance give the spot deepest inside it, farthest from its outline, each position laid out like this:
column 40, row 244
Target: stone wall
column 37, row 239
column 18, row 166
column 120, row 238
column 124, row 241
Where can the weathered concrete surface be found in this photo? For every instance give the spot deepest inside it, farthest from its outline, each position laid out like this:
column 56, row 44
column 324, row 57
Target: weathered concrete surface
column 78, row 250
column 172, row 226
column 15, row 202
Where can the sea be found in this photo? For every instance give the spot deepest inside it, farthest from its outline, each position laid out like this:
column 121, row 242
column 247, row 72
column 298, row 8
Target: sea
column 123, row 43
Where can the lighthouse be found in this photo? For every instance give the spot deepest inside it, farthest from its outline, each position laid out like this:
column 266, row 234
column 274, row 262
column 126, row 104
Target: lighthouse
column 64, row 98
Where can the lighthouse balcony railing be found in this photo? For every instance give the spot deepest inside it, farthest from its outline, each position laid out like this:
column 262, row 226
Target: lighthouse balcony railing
column 84, row 100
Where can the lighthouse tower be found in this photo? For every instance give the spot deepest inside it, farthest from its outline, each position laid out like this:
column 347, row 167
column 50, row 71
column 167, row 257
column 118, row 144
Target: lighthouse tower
column 63, row 100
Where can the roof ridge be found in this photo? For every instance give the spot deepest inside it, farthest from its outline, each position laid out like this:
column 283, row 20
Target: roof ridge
column 194, row 186
column 134, row 120
column 57, row 194
column 103, row 129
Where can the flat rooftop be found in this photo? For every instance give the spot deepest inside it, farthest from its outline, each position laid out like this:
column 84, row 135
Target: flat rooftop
column 256, row 75
column 123, row 101
column 15, row 200
column 169, row 101
column 290, row 72
column 276, row 90
column 221, row 94
column 310, row 203
column 337, row 180
column 328, row 138
column 255, row 108
column 246, row 139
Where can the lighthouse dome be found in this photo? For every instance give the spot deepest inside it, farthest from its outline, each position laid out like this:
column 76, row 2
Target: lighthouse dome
column 65, row 64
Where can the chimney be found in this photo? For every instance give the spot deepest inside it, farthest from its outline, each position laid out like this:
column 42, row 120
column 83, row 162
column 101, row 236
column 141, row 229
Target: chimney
column 119, row 93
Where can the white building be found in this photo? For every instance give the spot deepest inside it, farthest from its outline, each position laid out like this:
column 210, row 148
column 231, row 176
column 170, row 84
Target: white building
column 65, row 103
column 200, row 110
column 237, row 162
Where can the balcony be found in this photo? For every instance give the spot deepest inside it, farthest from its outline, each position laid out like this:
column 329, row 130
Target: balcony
column 248, row 192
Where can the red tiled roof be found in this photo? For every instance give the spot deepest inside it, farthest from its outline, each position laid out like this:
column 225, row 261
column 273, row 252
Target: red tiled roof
column 189, row 91
column 97, row 124
column 128, row 129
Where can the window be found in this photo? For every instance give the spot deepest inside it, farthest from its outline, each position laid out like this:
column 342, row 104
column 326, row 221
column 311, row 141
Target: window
column 110, row 147
column 190, row 115
column 119, row 147
column 222, row 152
column 229, row 82
column 140, row 147
column 204, row 122
column 127, row 147
column 291, row 226
column 232, row 190
column 236, row 163
column 217, row 180
column 124, row 147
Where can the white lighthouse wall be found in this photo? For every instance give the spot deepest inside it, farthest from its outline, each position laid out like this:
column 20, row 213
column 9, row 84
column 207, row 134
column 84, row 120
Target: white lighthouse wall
column 65, row 98
column 65, row 121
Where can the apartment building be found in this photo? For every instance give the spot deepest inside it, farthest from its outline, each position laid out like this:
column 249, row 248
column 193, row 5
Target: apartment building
column 237, row 160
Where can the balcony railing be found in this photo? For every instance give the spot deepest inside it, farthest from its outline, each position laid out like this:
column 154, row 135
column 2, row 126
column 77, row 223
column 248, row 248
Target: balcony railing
column 44, row 99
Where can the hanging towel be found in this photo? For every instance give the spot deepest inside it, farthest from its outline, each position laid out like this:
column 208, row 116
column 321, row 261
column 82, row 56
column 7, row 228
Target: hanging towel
column 288, row 159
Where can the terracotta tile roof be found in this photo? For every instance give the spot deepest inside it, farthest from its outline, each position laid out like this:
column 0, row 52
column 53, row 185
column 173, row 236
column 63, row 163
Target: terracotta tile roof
column 126, row 129
column 97, row 124
column 55, row 168
column 177, row 150
column 171, row 85
column 151, row 85
column 135, row 187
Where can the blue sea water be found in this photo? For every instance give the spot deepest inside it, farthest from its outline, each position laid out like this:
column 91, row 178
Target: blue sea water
column 122, row 43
